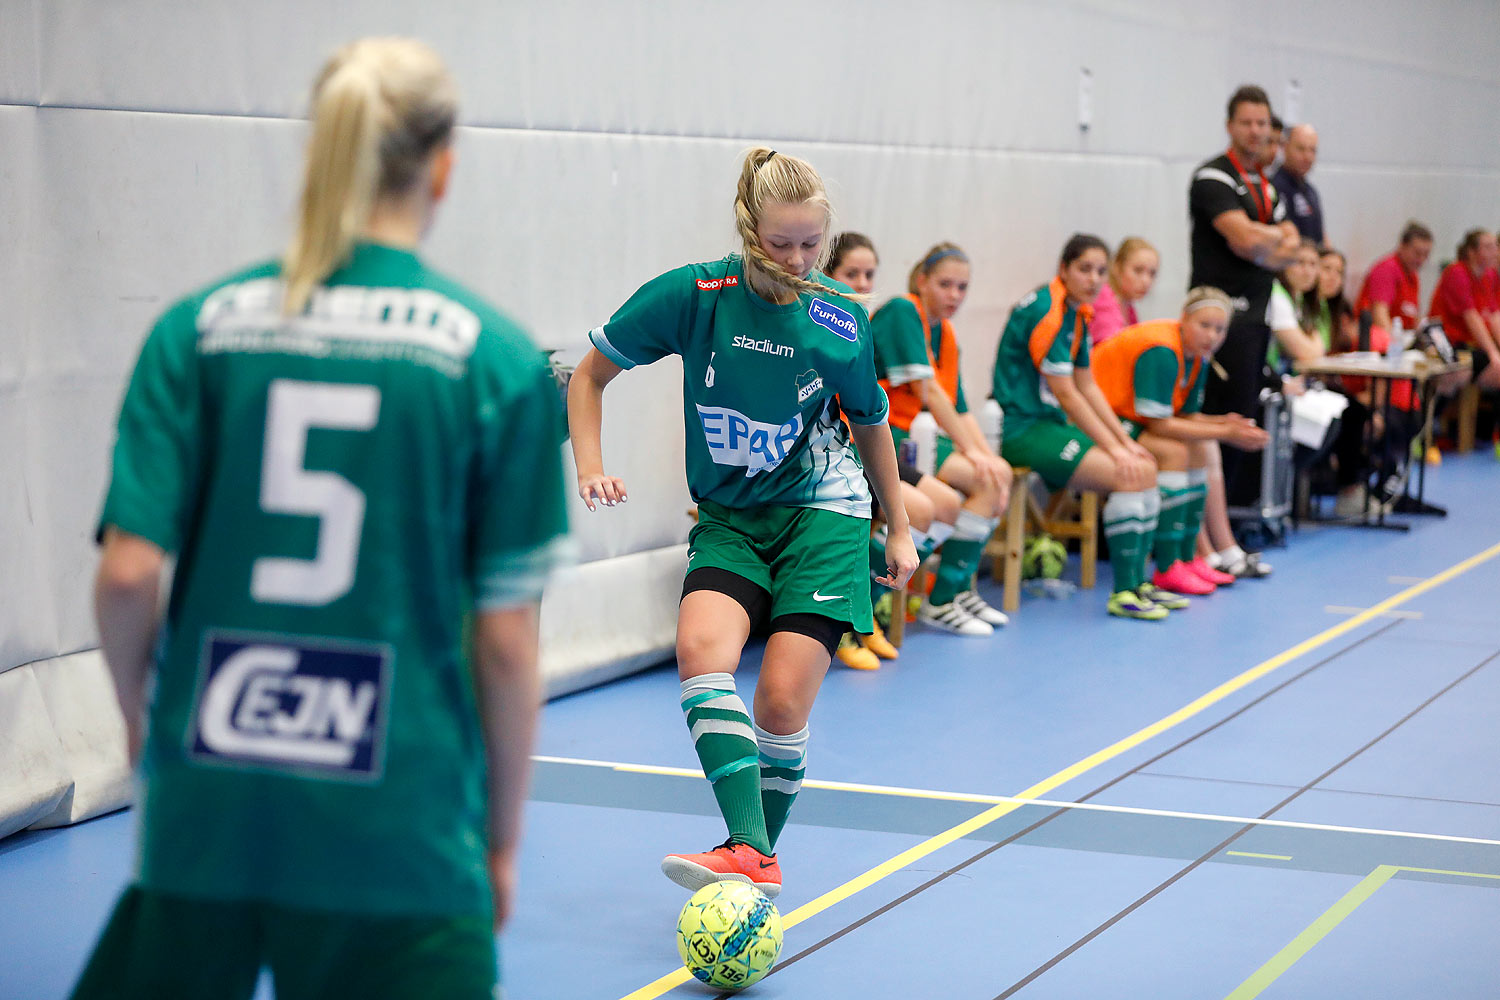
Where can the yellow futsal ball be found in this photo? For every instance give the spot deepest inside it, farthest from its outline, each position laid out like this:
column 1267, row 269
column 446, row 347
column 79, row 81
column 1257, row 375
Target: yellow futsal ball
column 729, row 935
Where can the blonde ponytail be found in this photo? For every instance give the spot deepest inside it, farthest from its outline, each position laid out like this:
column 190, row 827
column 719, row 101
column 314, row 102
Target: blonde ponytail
column 381, row 107
column 766, row 177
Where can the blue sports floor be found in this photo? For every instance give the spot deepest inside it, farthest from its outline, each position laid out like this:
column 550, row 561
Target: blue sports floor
column 1288, row 791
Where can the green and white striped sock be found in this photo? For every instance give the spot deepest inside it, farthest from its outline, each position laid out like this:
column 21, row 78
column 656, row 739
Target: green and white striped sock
column 783, row 761
column 726, row 747
column 1172, row 522
column 960, row 555
column 1192, row 512
column 1128, row 528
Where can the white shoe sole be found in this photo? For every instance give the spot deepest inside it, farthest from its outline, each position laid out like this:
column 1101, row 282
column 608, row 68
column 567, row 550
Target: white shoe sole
column 973, row 628
column 694, row 876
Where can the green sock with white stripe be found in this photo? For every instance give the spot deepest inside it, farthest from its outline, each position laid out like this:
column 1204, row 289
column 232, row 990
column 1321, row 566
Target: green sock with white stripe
column 1127, row 527
column 1172, row 522
column 726, row 747
column 1192, row 513
column 961, row 554
column 783, row 761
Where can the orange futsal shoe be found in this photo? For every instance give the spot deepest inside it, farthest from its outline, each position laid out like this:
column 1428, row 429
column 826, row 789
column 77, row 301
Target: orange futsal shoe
column 728, row 862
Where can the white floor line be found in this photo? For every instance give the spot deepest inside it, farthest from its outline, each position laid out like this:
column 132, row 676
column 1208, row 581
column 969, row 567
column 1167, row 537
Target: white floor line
column 921, row 793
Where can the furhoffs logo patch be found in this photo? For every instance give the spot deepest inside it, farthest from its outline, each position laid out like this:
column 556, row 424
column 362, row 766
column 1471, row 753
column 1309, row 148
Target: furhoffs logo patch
column 830, row 317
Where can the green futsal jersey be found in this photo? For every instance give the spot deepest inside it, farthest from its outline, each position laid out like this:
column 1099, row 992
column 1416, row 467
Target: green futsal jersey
column 338, row 489
column 1158, row 380
column 1045, row 335
column 763, row 384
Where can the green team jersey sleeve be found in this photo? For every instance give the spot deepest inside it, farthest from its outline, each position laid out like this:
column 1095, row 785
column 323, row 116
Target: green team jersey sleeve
column 518, row 516
column 1083, row 359
column 901, row 354
column 1194, row 401
column 1154, row 382
column 157, row 452
column 860, row 396
column 652, row 322
column 961, row 404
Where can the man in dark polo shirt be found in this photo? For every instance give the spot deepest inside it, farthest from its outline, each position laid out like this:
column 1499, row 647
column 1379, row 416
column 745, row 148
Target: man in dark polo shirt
column 1303, row 206
column 1240, row 239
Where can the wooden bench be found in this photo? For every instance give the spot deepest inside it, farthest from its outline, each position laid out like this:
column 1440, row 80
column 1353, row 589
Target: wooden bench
column 1062, row 518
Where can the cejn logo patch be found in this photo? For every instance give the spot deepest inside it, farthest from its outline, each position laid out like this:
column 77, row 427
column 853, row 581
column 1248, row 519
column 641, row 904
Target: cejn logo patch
column 295, row 705
column 831, row 317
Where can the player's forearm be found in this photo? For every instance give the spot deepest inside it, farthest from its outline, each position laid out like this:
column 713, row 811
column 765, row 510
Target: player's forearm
column 1479, row 331
column 126, row 593
column 946, row 415
column 508, row 690
column 1380, row 315
column 1080, row 411
column 1192, row 428
column 1105, row 414
column 878, row 454
column 585, row 420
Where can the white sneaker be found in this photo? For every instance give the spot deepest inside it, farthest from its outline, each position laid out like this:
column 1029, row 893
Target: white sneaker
column 1356, row 502
column 952, row 618
column 975, row 605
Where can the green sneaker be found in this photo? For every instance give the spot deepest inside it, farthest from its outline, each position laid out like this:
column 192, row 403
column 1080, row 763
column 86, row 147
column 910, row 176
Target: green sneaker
column 1129, row 604
column 1163, row 598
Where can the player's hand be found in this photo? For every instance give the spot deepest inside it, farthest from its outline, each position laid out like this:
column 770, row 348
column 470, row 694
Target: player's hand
column 1140, row 451
column 608, row 490
column 992, row 469
column 1135, row 472
column 1247, row 436
column 502, row 866
column 900, row 560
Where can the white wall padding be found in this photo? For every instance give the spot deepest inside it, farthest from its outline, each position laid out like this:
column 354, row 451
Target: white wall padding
column 610, row 616
column 62, row 758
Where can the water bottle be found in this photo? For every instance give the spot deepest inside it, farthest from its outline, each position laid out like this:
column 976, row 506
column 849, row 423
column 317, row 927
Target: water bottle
column 992, row 422
column 924, row 431
column 1397, row 344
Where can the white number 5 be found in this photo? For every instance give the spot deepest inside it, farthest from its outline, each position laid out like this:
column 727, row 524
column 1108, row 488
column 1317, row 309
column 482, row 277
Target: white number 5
column 286, row 487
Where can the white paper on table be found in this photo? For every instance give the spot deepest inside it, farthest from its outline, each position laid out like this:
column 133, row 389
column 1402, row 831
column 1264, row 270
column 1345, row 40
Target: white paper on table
column 1313, row 412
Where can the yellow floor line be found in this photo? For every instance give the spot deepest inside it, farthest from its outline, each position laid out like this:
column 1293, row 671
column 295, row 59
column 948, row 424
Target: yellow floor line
column 833, row 896
column 1324, row 925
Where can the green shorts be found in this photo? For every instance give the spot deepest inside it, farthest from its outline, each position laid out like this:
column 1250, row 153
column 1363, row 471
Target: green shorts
column 1132, row 428
column 810, row 561
column 1049, row 449
column 158, row 945
column 944, row 445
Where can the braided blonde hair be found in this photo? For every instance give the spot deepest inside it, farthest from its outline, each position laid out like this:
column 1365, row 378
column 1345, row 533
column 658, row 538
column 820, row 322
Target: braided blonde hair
column 767, row 177
column 380, row 108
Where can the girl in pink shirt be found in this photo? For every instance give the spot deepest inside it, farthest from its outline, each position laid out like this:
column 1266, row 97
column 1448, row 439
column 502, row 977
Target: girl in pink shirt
column 1131, row 274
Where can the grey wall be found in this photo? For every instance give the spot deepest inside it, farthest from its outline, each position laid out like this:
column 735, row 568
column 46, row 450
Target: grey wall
column 147, row 146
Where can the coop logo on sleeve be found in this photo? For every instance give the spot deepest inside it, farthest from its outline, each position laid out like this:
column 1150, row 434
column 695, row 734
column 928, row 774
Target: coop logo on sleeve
column 735, row 439
column 831, row 317
column 293, row 704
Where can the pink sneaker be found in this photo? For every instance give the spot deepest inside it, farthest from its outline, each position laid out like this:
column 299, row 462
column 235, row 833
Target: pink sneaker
column 1201, row 568
column 1181, row 580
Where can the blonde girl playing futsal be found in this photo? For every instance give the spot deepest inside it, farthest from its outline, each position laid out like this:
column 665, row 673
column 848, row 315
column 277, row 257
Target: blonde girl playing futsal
column 345, row 451
column 767, row 342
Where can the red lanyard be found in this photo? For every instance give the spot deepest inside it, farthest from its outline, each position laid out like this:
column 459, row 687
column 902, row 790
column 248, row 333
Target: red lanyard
column 1262, row 203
